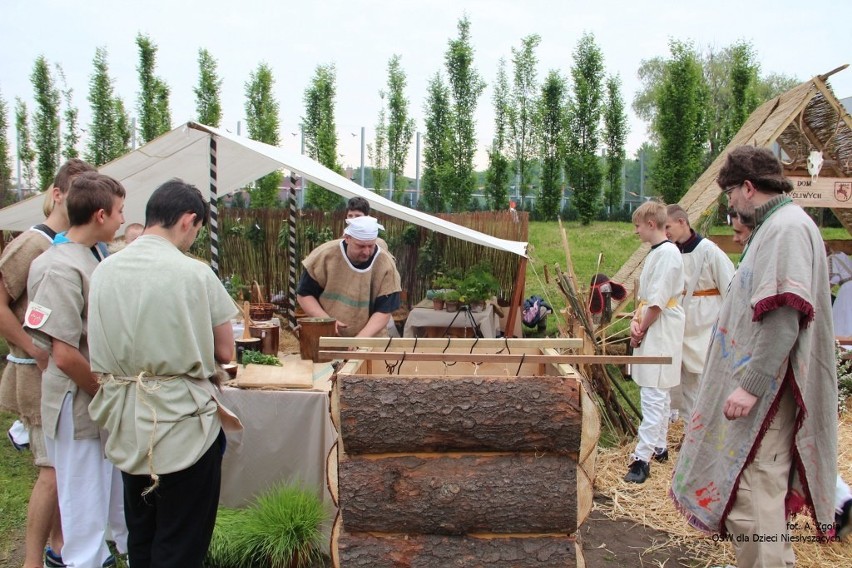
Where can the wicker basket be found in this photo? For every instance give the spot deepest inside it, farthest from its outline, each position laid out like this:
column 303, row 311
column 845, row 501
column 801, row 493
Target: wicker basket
column 260, row 310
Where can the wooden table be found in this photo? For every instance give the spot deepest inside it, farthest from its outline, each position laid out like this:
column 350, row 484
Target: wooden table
column 427, row 322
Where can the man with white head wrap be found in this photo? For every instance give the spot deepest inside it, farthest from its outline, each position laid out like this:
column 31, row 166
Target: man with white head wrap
column 352, row 280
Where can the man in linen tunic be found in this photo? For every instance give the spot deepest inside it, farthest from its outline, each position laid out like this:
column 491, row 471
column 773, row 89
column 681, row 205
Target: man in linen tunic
column 762, row 441
column 657, row 329
column 159, row 322
column 352, row 280
column 707, row 273
column 89, row 488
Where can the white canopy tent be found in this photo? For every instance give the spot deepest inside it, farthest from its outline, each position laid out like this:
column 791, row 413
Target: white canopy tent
column 185, row 153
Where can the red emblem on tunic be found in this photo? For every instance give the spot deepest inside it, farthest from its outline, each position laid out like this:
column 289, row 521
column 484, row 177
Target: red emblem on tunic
column 34, row 318
column 36, row 315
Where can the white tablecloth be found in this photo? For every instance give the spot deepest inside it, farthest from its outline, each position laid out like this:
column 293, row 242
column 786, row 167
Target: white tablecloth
column 418, row 318
column 287, row 436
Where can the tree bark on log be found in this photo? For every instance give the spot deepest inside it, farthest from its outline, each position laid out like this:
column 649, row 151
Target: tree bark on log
column 432, row 551
column 453, row 494
column 384, row 414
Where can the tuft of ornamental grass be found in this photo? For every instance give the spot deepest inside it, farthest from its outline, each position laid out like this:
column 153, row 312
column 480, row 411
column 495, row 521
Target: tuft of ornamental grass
column 281, row 529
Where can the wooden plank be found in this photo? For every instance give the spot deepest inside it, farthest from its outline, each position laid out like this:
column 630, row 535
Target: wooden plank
column 500, row 358
column 439, row 343
column 468, row 413
column 429, row 551
column 459, row 494
column 833, row 192
column 295, row 374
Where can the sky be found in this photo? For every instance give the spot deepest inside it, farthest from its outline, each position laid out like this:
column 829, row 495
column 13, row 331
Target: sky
column 360, row 36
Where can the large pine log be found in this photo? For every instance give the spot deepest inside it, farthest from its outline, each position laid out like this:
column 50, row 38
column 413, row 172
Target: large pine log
column 380, row 414
column 457, row 494
column 432, row 551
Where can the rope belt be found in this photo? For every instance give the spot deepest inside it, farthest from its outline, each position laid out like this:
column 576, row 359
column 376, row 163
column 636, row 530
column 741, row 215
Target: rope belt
column 19, row 360
column 709, row 292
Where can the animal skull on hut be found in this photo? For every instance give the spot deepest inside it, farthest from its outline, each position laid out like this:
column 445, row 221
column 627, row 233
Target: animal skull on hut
column 814, row 164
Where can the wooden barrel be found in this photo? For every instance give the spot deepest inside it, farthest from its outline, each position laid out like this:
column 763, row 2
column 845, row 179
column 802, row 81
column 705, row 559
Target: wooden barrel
column 310, row 330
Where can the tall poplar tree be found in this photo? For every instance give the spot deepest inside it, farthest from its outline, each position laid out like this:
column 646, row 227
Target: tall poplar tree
column 45, row 122
column 26, row 154
column 497, row 177
column 321, row 132
column 551, row 121
column 465, row 88
column 615, row 136
column 437, row 155
column 681, row 123
column 208, row 105
column 377, row 151
column 5, row 155
column 523, row 116
column 584, row 116
column 71, row 132
column 262, row 123
column 400, row 125
column 109, row 130
column 153, row 103
column 743, row 81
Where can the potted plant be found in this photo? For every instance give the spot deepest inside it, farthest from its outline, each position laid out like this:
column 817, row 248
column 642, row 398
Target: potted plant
column 478, row 286
column 437, row 299
column 451, row 299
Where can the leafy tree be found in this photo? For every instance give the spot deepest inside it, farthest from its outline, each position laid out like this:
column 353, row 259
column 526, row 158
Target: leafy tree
column 109, row 131
column 262, row 123
column 400, row 125
column 321, row 132
column 615, row 135
column 5, row 154
column 681, row 122
column 524, row 112
column 497, row 177
column 772, row 85
column 551, row 112
column 208, row 105
column 584, row 116
column 26, row 154
column 377, row 152
column 743, row 82
column 71, row 132
column 465, row 87
column 153, row 104
column 437, row 159
column 45, row 121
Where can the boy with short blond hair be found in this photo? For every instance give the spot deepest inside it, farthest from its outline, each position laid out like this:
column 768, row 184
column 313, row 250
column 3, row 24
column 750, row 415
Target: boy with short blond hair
column 656, row 329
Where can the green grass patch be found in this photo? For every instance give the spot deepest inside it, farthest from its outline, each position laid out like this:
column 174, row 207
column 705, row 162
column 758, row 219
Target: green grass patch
column 17, row 476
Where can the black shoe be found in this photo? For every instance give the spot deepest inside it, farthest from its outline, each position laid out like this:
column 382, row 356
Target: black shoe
column 841, row 520
column 638, row 472
column 661, row 455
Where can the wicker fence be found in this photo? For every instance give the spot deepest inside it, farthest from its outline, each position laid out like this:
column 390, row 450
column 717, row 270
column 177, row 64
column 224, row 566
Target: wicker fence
column 254, row 246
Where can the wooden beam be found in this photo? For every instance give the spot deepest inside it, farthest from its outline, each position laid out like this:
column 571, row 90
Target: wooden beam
column 499, row 358
column 793, row 115
column 517, row 297
column 460, row 342
column 832, row 100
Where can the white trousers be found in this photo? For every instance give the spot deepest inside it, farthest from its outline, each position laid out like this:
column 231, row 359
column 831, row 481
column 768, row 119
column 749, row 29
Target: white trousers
column 91, row 495
column 684, row 395
column 656, row 404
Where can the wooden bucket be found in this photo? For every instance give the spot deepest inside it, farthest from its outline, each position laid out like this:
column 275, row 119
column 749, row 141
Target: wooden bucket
column 310, row 330
column 268, row 335
column 246, row 344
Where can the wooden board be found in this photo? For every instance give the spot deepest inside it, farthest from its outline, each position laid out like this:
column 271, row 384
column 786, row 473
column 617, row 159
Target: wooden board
column 380, row 414
column 295, row 374
column 459, row 494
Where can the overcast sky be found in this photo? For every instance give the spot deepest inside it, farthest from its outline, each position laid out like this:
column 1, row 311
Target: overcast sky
column 359, row 37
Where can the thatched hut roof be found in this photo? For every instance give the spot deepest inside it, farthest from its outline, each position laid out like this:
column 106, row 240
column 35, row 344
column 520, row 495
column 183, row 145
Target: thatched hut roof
column 807, row 117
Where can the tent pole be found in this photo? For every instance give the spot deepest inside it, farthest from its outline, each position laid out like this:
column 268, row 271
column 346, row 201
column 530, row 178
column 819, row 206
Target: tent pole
column 517, row 297
column 214, row 213
column 291, row 296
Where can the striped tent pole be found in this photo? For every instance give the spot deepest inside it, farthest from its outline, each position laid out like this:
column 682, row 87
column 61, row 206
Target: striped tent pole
column 214, row 213
column 291, row 301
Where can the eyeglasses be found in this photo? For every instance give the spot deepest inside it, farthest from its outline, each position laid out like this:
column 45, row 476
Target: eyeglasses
column 727, row 191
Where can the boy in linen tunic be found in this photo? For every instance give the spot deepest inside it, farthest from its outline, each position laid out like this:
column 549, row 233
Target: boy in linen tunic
column 89, row 487
column 159, row 323
column 352, row 280
column 707, row 272
column 656, row 329
column 762, row 442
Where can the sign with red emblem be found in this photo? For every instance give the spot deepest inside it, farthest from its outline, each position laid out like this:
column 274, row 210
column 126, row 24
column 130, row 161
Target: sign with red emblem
column 36, row 315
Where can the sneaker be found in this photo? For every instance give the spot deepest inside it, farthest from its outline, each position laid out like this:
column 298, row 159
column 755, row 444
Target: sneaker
column 638, row 471
column 842, row 522
column 661, row 455
column 51, row 559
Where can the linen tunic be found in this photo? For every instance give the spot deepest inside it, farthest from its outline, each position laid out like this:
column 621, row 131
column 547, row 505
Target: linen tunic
column 153, row 311
column 661, row 284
